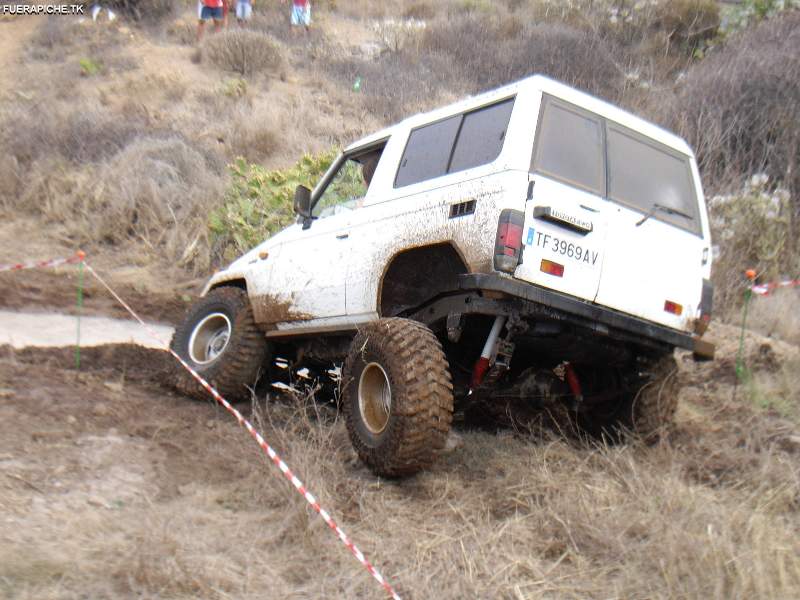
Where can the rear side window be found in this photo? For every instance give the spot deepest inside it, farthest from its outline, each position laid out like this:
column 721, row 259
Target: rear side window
column 481, row 138
column 569, row 147
column 641, row 174
column 454, row 144
column 427, row 152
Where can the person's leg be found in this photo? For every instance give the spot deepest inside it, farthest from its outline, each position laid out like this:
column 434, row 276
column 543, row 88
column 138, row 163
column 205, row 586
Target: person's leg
column 296, row 20
column 201, row 23
column 307, row 18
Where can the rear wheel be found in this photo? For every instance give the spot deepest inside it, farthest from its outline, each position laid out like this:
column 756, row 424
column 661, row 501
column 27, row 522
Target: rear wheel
column 398, row 396
column 646, row 404
column 220, row 340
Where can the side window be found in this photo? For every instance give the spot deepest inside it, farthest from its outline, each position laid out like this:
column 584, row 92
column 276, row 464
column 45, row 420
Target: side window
column 569, row 147
column 346, row 189
column 454, row 144
column 482, row 135
column 658, row 177
column 427, row 152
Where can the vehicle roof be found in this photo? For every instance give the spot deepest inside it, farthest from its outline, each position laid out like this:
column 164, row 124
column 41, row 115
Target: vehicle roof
column 548, row 86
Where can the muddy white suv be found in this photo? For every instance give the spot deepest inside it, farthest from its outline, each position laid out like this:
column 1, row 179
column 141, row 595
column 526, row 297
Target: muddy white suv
column 529, row 251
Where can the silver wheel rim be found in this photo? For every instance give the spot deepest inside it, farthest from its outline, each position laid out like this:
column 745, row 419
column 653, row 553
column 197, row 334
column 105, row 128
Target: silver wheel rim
column 209, row 338
column 374, row 398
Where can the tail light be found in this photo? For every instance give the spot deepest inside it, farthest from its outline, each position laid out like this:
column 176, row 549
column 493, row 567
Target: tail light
column 706, row 304
column 508, row 246
column 673, row 307
column 551, row 268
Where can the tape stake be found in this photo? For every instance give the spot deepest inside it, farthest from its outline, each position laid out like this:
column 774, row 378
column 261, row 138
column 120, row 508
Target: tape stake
column 79, row 303
column 259, row 439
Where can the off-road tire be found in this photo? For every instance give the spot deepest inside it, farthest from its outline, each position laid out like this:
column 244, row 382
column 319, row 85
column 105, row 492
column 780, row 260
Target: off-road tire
column 239, row 363
column 653, row 407
column 647, row 410
column 421, row 391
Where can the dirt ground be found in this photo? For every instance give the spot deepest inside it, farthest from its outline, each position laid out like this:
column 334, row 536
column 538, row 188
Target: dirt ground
column 113, row 486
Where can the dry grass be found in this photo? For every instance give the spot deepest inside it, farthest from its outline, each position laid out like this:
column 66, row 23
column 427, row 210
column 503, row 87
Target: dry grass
column 777, row 315
column 714, row 513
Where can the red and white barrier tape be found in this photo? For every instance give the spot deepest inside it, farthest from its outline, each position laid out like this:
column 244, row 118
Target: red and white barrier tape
column 767, row 288
column 44, row 264
column 284, row 468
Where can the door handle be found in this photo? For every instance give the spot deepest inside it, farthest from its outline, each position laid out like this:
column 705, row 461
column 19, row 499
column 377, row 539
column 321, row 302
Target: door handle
column 342, row 236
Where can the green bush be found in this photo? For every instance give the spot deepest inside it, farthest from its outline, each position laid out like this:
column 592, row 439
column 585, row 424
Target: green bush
column 260, row 202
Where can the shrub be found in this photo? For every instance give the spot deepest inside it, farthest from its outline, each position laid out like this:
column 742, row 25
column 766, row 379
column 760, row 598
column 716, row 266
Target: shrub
column 144, row 10
column 491, row 51
column 260, row 202
column 396, row 34
column 740, row 110
column 422, row 11
column 155, row 193
column 396, row 84
column 749, row 11
column 245, row 52
column 78, row 134
column 688, row 23
column 753, row 230
column 89, row 67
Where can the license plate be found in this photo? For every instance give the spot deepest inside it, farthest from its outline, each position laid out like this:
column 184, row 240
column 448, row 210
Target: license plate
column 561, row 247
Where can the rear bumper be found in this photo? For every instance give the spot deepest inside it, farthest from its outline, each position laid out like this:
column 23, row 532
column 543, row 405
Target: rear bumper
column 600, row 319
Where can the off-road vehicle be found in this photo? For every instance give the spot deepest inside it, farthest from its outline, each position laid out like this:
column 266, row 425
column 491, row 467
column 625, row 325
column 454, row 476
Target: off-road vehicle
column 529, row 248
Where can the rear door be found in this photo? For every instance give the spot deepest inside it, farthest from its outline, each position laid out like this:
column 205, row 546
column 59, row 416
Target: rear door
column 565, row 215
column 653, row 266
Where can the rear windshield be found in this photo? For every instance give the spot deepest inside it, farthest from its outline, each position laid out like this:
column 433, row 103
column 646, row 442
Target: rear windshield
column 641, row 174
column 587, row 151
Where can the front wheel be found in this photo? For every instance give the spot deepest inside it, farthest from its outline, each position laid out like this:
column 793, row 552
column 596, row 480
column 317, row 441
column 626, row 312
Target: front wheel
column 398, row 396
column 220, row 340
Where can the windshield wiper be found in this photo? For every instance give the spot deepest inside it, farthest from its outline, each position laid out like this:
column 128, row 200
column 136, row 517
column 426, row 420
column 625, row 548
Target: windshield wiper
column 667, row 209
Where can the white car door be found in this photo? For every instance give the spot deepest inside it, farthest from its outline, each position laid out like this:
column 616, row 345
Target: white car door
column 565, row 217
column 308, row 279
column 656, row 255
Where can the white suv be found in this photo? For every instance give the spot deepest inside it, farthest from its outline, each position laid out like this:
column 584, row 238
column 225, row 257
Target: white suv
column 529, row 248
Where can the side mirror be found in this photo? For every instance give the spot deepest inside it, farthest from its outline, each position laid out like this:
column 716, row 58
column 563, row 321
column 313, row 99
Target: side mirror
column 302, row 201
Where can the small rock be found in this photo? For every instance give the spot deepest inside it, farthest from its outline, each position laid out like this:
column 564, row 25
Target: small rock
column 71, row 420
column 6, row 393
column 96, row 501
column 454, row 442
column 114, row 386
column 100, row 410
column 210, row 424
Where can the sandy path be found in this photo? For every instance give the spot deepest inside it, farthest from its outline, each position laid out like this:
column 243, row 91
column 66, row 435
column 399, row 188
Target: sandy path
column 21, row 329
column 14, row 34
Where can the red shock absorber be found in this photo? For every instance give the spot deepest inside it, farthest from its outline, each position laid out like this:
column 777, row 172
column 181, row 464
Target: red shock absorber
column 573, row 382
